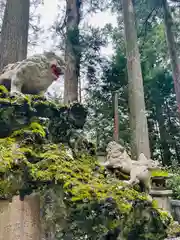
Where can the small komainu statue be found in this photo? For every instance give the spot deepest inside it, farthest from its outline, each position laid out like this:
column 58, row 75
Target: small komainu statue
column 139, row 171
column 32, row 75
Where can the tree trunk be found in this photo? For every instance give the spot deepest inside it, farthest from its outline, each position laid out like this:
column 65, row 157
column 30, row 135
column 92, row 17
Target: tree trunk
column 116, row 118
column 168, row 22
column 174, row 143
column 72, row 51
column 138, row 120
column 14, row 34
column 165, row 148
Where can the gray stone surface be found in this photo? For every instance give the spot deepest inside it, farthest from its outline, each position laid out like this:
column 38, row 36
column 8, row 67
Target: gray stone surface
column 175, row 206
column 20, row 220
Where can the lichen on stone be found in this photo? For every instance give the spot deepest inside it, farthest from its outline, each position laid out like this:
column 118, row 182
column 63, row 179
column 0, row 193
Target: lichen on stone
column 160, row 173
column 34, row 137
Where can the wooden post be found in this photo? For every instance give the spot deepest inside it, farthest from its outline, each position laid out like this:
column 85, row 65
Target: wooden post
column 116, row 118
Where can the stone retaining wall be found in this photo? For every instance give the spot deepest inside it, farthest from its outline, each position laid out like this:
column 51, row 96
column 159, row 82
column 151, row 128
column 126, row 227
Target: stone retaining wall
column 20, row 220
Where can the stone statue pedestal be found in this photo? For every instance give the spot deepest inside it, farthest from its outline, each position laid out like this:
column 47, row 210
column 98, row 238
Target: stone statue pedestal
column 161, row 193
column 20, row 220
column 163, row 197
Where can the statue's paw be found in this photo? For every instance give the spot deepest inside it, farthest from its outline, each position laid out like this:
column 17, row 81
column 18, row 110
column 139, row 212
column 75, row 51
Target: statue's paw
column 17, row 94
column 149, row 198
column 126, row 182
column 120, row 187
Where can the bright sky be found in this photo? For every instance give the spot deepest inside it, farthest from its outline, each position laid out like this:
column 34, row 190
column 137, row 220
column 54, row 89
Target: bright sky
column 49, row 12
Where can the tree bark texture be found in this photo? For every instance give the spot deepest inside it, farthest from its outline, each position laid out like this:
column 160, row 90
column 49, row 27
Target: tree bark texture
column 138, row 120
column 72, row 51
column 168, row 22
column 14, row 34
column 165, row 148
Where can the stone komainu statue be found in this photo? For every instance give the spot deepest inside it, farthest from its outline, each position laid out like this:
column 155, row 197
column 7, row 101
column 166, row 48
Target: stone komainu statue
column 139, row 171
column 32, row 75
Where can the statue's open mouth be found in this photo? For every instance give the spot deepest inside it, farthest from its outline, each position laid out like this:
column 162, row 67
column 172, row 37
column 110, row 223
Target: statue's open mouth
column 59, row 70
column 56, row 71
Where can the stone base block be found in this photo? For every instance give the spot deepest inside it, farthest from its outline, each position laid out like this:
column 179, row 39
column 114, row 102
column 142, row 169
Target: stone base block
column 163, row 197
column 20, row 220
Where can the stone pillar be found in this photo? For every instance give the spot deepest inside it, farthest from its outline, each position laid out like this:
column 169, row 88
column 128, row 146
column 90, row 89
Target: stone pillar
column 160, row 192
column 20, row 220
column 163, row 198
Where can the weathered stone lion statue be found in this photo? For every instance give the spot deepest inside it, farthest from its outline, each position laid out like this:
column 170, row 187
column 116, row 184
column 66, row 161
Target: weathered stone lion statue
column 32, row 75
column 139, row 171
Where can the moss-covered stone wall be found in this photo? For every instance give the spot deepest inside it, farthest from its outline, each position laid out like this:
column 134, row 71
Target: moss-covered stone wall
column 34, row 137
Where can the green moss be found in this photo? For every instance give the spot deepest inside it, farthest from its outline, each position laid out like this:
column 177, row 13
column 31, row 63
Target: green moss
column 164, row 215
column 159, row 173
column 83, row 180
column 3, row 89
column 173, row 230
column 155, row 203
column 37, row 128
column 3, row 92
column 63, row 119
column 33, row 154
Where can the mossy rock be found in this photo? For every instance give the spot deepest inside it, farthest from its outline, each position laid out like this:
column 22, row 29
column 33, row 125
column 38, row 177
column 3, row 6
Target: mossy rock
column 94, row 203
column 17, row 112
column 173, row 230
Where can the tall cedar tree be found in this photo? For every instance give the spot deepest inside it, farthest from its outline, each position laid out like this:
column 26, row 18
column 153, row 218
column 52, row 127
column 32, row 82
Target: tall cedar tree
column 138, row 120
column 172, row 50
column 14, row 34
column 72, row 51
